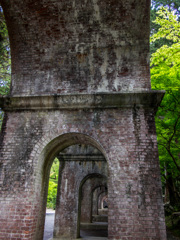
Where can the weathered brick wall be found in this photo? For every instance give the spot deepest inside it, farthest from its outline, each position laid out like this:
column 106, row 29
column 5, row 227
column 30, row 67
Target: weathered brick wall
column 78, row 46
column 127, row 139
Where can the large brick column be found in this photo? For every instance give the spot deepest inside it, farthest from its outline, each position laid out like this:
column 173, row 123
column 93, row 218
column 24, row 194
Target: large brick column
column 121, row 126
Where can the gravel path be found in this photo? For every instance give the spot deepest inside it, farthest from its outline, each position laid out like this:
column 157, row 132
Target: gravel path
column 49, row 225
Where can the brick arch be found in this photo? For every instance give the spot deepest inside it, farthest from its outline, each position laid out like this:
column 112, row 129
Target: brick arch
column 100, row 196
column 96, row 193
column 104, row 198
column 45, row 161
column 104, row 186
column 92, row 176
column 49, row 146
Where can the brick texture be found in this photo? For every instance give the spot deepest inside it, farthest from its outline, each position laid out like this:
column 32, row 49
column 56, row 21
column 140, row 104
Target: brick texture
column 79, row 46
column 127, row 139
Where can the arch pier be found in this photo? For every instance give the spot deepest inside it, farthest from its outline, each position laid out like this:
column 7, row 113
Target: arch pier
column 120, row 126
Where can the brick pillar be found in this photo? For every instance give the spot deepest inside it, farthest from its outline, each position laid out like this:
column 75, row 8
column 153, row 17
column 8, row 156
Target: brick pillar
column 67, row 204
column 94, row 202
column 20, row 194
column 134, row 184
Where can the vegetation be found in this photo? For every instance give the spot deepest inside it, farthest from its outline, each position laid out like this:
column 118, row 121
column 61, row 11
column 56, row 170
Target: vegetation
column 53, row 182
column 5, row 59
column 165, row 74
column 171, row 5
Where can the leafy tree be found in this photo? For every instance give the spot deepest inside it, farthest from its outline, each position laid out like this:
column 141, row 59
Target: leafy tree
column 168, row 133
column 172, row 5
column 5, row 59
column 53, row 182
column 165, row 74
column 54, row 171
column 166, row 60
column 52, row 192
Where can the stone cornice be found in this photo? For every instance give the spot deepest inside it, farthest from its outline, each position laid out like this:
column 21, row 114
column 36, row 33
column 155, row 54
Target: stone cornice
column 66, row 157
column 147, row 99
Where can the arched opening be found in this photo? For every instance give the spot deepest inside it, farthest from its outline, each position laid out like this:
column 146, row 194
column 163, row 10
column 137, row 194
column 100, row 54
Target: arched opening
column 103, row 203
column 80, row 156
column 51, row 199
column 91, row 223
column 96, row 193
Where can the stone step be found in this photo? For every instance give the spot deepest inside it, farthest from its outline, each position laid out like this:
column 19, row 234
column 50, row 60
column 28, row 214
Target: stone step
column 94, row 225
column 103, row 211
column 93, row 238
column 100, row 218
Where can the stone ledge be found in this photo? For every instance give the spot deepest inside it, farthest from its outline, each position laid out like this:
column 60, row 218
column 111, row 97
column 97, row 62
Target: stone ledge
column 82, row 158
column 87, row 238
column 147, row 99
column 94, row 226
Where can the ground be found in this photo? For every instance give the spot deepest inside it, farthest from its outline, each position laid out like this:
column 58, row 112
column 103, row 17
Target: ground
column 49, row 224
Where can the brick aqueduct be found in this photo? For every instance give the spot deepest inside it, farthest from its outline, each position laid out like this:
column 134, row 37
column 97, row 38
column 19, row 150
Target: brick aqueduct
column 80, row 91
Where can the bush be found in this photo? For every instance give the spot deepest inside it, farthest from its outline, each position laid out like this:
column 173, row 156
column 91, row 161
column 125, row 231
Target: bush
column 52, row 193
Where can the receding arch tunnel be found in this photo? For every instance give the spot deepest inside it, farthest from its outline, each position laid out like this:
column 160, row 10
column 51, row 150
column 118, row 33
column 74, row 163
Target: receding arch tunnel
column 80, row 161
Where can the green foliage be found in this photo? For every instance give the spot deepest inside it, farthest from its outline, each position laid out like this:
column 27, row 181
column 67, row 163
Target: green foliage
column 172, row 5
column 168, row 132
column 165, row 62
column 52, row 192
column 155, row 6
column 53, row 182
column 54, row 171
column 5, row 59
column 172, row 224
column 165, row 74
